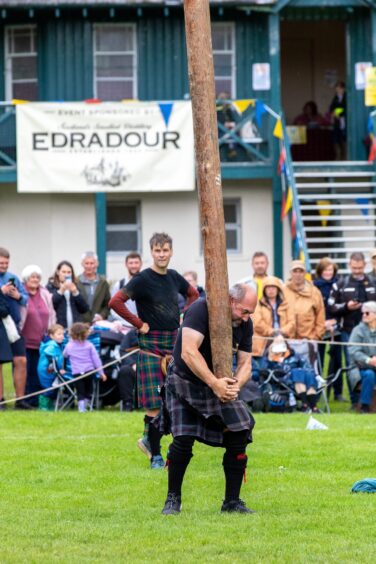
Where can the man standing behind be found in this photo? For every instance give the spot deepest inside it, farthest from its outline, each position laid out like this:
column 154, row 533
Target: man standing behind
column 94, row 289
column 260, row 264
column 155, row 291
column 15, row 296
column 133, row 264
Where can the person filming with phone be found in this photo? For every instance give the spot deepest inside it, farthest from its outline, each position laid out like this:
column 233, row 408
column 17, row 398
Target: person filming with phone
column 15, row 296
column 68, row 302
column 346, row 299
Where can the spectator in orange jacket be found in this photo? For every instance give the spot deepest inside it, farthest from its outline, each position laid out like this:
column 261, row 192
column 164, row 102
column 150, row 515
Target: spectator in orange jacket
column 272, row 317
column 306, row 304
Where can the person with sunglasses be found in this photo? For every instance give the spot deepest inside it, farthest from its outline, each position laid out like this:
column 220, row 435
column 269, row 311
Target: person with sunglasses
column 363, row 353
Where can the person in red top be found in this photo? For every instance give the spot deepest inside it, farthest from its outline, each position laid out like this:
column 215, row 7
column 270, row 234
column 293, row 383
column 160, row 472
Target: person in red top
column 155, row 291
column 36, row 317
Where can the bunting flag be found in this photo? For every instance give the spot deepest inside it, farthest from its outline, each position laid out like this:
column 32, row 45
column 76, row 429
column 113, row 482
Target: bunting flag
column 281, row 162
column 93, row 101
column 372, row 151
column 288, row 202
column 15, row 102
column 324, row 212
column 243, row 105
column 293, row 224
column 278, row 131
column 166, row 109
column 260, row 110
column 362, row 203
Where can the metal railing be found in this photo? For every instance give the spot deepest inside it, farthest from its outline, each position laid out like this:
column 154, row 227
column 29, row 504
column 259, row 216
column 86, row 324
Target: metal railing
column 7, row 136
column 299, row 244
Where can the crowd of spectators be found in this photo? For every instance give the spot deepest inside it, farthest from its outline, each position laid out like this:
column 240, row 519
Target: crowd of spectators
column 290, row 315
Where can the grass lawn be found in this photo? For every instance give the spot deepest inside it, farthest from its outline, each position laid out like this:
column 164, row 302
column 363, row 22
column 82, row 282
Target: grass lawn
column 74, row 488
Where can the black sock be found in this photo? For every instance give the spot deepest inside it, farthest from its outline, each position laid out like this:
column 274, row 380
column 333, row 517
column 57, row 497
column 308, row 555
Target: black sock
column 364, row 407
column 234, row 467
column 154, row 440
column 302, row 397
column 178, row 457
column 312, row 400
column 147, row 420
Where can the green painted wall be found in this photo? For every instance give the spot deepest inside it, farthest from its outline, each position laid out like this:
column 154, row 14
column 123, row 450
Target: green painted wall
column 359, row 49
column 66, row 59
column 2, row 64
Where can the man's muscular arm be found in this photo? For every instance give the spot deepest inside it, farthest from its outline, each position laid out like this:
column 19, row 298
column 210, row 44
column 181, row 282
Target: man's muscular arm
column 117, row 303
column 226, row 389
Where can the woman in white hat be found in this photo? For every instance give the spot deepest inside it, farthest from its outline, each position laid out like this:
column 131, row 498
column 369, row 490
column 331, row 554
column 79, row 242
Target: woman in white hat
column 36, row 317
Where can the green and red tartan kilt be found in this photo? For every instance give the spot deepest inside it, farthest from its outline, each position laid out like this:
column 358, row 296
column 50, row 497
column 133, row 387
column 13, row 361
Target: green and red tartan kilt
column 193, row 409
column 149, row 374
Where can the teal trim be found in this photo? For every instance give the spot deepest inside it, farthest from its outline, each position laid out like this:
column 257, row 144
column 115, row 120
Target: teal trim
column 246, row 171
column 2, row 63
column 7, row 176
column 327, row 3
column 101, row 222
column 373, row 35
column 275, row 71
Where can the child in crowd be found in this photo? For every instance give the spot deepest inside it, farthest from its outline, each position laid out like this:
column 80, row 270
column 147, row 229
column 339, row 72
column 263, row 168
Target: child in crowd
column 50, row 359
column 83, row 358
column 295, row 370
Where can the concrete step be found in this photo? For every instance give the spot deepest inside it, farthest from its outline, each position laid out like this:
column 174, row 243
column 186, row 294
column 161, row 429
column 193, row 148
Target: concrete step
column 369, row 196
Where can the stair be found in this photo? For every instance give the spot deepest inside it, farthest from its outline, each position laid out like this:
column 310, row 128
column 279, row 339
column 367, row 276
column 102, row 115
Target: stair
column 338, row 207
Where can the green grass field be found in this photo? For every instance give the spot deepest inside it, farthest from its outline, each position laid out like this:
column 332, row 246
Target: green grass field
column 75, row 488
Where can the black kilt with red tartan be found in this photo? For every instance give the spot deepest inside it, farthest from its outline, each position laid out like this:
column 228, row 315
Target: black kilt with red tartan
column 193, row 409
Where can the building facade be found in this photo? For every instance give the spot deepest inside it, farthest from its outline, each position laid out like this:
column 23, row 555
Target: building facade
column 280, row 52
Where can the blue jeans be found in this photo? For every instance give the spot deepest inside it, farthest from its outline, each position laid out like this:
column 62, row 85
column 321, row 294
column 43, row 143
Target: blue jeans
column 368, row 376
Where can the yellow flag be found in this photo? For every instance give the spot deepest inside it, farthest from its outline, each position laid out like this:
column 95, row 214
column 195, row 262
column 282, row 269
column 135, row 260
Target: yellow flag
column 288, row 204
column 278, row 132
column 243, row 105
column 323, row 213
column 15, row 102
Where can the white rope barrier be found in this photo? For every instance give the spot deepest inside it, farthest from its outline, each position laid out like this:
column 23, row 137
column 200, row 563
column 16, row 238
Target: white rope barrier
column 71, row 380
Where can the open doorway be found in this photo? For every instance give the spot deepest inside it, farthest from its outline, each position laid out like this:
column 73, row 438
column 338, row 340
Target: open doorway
column 313, row 60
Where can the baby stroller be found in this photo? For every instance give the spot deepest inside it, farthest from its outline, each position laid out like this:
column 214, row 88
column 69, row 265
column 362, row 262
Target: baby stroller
column 121, row 377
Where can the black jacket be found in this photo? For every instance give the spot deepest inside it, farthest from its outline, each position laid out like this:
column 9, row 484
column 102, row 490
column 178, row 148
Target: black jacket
column 78, row 305
column 345, row 290
column 5, row 348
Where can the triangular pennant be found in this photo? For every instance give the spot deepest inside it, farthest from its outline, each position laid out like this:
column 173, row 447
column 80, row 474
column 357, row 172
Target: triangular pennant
column 324, row 212
column 242, row 105
column 372, row 152
column 166, row 109
column 93, row 101
column 281, row 161
column 362, row 202
column 260, row 109
column 278, row 131
column 16, row 102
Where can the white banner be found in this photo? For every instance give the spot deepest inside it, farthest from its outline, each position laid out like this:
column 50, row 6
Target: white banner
column 105, row 147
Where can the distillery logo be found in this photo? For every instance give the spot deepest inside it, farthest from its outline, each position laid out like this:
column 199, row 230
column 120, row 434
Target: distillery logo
column 161, row 140
column 106, row 173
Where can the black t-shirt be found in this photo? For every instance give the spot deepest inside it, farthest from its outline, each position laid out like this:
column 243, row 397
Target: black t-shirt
column 197, row 318
column 156, row 297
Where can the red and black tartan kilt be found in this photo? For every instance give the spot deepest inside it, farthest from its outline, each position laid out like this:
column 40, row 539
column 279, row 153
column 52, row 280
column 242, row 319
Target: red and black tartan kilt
column 193, row 409
column 149, row 374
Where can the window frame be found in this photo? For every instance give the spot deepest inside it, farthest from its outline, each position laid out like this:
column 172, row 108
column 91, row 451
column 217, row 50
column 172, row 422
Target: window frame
column 237, row 226
column 9, row 57
column 134, row 52
column 125, row 227
column 232, row 52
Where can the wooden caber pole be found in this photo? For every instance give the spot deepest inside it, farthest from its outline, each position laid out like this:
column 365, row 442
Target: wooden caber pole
column 202, row 88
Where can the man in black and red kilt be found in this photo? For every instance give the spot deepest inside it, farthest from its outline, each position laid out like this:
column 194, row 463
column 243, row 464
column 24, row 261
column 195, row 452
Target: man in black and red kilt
column 155, row 291
column 199, row 406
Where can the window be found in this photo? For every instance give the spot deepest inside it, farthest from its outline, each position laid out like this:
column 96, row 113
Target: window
column 21, row 63
column 115, row 62
column 123, row 231
column 223, row 39
column 232, row 210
